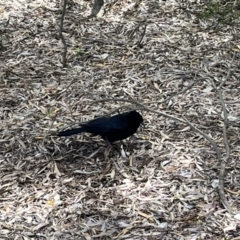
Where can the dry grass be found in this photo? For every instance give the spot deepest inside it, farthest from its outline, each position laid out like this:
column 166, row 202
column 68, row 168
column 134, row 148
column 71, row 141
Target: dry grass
column 161, row 183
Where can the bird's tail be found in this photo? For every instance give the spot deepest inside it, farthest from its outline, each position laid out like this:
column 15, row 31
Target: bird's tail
column 71, row 132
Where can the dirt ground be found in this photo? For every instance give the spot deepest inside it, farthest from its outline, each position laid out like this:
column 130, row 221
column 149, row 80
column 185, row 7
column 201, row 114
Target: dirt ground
column 177, row 62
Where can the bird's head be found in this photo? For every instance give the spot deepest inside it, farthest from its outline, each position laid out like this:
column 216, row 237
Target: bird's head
column 136, row 118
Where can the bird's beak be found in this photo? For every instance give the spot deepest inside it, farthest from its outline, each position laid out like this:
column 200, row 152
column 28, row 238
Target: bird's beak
column 143, row 124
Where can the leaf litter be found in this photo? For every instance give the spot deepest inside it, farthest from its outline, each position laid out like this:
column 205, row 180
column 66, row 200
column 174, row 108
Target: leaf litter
column 159, row 184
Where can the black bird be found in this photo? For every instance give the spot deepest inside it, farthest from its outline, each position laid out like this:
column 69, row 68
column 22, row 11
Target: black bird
column 111, row 129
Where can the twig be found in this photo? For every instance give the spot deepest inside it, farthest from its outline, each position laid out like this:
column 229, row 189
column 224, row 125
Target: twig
column 139, row 104
column 177, row 93
column 64, row 55
column 133, row 31
column 143, row 33
column 229, row 71
column 206, row 137
column 222, row 171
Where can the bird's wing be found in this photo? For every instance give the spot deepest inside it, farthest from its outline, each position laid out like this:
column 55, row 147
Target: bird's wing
column 104, row 125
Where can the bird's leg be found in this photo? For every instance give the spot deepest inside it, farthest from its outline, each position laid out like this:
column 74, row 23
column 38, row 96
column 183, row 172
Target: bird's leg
column 107, row 150
column 108, row 143
column 108, row 168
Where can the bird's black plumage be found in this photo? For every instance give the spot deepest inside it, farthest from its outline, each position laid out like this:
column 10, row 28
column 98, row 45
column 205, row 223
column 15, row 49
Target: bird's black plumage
column 111, row 129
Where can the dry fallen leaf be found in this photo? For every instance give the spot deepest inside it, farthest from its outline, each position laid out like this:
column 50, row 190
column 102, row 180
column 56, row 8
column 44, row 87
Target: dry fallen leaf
column 164, row 182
